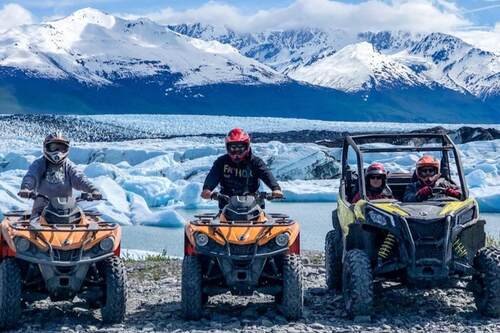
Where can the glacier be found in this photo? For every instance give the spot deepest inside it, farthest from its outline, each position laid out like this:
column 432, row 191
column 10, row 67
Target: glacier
column 145, row 181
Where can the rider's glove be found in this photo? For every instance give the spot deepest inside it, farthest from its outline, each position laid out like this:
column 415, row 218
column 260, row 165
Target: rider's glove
column 424, row 193
column 206, row 194
column 453, row 192
column 25, row 193
column 277, row 194
column 96, row 195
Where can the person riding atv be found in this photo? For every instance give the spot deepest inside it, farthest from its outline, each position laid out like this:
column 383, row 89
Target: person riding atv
column 376, row 183
column 238, row 172
column 429, row 179
column 54, row 175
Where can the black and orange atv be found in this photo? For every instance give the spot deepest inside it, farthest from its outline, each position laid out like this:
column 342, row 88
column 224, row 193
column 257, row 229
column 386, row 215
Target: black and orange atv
column 66, row 252
column 242, row 249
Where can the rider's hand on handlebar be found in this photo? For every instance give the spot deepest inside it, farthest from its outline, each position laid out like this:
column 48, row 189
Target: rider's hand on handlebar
column 453, row 192
column 424, row 192
column 25, row 193
column 277, row 194
column 206, row 194
column 96, row 195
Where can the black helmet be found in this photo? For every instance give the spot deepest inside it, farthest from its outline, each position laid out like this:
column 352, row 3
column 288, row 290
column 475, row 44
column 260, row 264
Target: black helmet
column 56, row 148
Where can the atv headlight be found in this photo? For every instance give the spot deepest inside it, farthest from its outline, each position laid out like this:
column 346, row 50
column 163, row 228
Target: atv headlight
column 377, row 217
column 22, row 244
column 466, row 216
column 106, row 244
column 282, row 239
column 201, row 239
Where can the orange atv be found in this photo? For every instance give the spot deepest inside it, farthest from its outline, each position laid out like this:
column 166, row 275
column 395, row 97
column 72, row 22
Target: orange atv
column 66, row 252
column 242, row 249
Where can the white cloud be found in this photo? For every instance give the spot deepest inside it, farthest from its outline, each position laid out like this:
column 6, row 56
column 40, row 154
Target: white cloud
column 488, row 40
column 12, row 15
column 374, row 15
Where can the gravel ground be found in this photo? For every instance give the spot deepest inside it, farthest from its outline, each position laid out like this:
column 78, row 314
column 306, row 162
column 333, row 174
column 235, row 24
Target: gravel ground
column 154, row 306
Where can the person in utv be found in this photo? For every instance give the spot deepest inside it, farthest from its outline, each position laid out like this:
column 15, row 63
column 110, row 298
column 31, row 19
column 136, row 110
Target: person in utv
column 54, row 175
column 428, row 178
column 238, row 172
column 375, row 182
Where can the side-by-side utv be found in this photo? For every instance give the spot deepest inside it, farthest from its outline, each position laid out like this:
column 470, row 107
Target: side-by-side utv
column 63, row 253
column 436, row 242
column 242, row 249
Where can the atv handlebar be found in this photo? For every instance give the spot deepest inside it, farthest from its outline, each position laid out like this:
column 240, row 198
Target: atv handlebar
column 83, row 197
column 258, row 195
column 88, row 197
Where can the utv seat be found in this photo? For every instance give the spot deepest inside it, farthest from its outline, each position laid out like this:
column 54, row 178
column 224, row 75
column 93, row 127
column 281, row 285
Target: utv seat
column 397, row 182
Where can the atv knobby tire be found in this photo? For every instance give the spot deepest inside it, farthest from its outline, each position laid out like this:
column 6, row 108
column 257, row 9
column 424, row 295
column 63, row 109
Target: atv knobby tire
column 333, row 255
column 115, row 290
column 487, row 281
column 10, row 293
column 357, row 283
column 192, row 297
column 292, row 297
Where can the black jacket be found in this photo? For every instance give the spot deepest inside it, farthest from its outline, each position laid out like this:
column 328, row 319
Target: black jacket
column 238, row 178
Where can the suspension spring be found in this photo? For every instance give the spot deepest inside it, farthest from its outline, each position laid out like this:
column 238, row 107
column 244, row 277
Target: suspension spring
column 387, row 246
column 460, row 249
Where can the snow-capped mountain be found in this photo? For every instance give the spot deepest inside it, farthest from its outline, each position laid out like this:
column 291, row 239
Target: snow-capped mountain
column 96, row 48
column 359, row 67
column 282, row 50
column 352, row 63
column 91, row 62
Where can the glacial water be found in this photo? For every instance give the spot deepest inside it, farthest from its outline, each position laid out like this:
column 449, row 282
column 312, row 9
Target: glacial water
column 314, row 217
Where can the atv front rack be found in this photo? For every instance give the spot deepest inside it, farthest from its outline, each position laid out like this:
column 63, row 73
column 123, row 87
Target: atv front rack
column 277, row 219
column 91, row 227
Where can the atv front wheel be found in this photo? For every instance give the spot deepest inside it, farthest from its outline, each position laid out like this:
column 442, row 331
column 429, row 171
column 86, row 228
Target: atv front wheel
column 10, row 293
column 357, row 283
column 192, row 297
column 115, row 298
column 292, row 298
column 487, row 281
column 333, row 255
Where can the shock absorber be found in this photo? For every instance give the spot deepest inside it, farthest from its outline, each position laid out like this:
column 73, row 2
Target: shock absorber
column 459, row 248
column 387, row 246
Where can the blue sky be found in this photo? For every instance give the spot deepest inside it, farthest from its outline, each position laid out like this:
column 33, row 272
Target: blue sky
column 479, row 12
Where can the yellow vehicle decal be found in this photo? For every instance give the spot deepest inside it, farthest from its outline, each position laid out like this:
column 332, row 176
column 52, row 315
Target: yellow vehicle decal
column 391, row 208
column 345, row 215
column 456, row 206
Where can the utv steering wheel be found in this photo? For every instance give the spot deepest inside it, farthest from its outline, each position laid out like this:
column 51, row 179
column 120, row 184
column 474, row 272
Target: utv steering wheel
column 439, row 194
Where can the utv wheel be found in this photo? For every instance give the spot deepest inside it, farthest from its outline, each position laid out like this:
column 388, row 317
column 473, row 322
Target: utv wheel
column 10, row 293
column 192, row 288
column 292, row 298
column 487, row 281
column 115, row 298
column 357, row 283
column 333, row 256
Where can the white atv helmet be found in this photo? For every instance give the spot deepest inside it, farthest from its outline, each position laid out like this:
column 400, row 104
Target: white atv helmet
column 56, row 148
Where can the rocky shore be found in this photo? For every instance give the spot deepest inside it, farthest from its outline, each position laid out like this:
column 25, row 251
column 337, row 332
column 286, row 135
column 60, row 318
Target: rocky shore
column 154, row 306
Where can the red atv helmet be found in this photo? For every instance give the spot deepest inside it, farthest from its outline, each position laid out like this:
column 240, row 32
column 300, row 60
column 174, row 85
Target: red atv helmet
column 426, row 162
column 376, row 169
column 237, row 144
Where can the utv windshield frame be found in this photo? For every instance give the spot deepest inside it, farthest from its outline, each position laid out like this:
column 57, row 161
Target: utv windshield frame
column 355, row 142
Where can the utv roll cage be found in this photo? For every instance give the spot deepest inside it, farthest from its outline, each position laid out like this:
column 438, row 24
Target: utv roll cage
column 398, row 140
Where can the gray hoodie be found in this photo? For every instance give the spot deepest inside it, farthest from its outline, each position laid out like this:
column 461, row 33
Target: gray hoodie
column 54, row 181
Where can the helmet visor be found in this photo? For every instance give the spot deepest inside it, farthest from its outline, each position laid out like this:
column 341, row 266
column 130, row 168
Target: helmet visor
column 57, row 147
